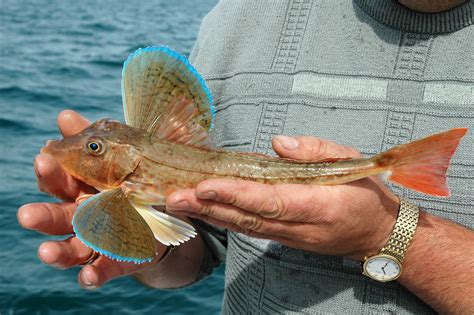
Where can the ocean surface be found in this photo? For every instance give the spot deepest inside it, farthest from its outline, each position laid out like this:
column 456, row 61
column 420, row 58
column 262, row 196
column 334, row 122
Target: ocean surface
column 57, row 54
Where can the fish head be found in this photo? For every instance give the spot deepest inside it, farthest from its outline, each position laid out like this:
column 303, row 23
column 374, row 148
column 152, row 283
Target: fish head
column 101, row 155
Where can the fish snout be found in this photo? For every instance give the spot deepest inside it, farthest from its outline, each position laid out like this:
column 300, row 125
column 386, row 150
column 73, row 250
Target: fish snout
column 50, row 147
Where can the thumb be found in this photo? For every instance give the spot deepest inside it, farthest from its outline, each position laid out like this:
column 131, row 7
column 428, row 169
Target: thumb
column 70, row 122
column 310, row 148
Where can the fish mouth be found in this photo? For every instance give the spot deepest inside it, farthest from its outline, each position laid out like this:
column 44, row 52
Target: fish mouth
column 50, row 147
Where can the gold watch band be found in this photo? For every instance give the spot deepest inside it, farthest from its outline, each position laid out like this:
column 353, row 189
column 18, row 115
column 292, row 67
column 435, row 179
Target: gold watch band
column 403, row 232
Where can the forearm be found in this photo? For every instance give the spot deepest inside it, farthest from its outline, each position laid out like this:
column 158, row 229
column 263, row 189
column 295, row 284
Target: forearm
column 439, row 265
column 180, row 268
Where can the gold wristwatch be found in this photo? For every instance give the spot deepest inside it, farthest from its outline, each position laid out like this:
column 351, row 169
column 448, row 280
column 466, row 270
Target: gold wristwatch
column 387, row 265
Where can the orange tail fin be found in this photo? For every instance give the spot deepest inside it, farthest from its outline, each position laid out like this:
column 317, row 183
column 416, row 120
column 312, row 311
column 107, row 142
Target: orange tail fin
column 421, row 165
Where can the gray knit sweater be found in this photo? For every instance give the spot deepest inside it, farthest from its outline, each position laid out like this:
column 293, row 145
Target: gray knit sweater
column 368, row 74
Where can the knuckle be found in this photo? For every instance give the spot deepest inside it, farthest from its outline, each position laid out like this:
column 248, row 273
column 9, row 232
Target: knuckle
column 238, row 195
column 330, row 218
column 329, row 215
column 317, row 149
column 246, row 232
column 312, row 237
column 253, row 223
column 207, row 210
column 314, row 240
column 354, row 152
column 279, row 206
column 233, row 197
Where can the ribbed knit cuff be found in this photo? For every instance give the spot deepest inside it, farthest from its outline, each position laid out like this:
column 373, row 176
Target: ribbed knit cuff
column 395, row 15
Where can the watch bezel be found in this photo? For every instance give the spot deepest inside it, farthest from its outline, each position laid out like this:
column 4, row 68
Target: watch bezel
column 367, row 260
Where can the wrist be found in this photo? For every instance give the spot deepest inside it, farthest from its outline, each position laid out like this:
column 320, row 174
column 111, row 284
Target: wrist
column 381, row 230
column 149, row 275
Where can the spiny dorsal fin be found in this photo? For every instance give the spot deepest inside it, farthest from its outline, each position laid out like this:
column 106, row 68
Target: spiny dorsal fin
column 110, row 225
column 164, row 94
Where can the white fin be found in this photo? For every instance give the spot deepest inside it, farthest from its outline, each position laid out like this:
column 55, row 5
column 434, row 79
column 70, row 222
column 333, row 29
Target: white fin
column 166, row 229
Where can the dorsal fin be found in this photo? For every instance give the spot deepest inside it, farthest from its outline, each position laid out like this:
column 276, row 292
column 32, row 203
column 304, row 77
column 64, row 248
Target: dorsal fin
column 165, row 95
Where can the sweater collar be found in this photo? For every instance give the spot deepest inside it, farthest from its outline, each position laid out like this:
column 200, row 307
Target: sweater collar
column 395, row 15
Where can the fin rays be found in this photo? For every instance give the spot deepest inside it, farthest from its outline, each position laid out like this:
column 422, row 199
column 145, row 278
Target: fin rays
column 164, row 94
column 166, row 229
column 109, row 224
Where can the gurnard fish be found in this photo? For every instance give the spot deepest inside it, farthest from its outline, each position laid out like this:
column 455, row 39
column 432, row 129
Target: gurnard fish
column 164, row 146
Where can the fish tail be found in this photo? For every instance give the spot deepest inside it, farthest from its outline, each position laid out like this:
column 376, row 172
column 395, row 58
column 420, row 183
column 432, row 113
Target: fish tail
column 421, row 165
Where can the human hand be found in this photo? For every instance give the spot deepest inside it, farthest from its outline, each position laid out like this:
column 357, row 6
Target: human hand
column 352, row 220
column 56, row 218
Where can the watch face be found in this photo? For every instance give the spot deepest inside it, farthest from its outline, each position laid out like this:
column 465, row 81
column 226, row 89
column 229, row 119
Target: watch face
column 382, row 268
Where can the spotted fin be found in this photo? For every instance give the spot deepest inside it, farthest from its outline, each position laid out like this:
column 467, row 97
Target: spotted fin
column 110, row 225
column 164, row 94
column 166, row 229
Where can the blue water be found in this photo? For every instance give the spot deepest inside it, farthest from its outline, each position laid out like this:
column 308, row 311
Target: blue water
column 57, row 54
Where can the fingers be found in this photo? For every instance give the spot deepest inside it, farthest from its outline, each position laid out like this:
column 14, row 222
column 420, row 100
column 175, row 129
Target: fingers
column 310, row 148
column 269, row 201
column 263, row 232
column 236, row 219
column 104, row 269
column 48, row 218
column 70, row 123
column 53, row 180
column 72, row 252
column 64, row 254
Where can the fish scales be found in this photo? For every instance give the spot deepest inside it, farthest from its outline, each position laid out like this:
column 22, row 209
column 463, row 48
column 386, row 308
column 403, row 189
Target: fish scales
column 250, row 166
column 167, row 167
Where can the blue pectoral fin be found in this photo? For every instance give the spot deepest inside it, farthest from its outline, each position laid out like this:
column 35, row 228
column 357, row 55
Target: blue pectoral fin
column 110, row 225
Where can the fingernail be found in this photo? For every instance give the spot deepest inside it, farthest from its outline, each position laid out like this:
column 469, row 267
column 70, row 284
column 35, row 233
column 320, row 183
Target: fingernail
column 210, row 194
column 35, row 166
column 89, row 286
column 180, row 205
column 87, row 283
column 288, row 143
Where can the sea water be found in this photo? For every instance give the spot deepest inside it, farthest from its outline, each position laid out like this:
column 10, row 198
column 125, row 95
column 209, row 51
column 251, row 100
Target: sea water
column 57, row 54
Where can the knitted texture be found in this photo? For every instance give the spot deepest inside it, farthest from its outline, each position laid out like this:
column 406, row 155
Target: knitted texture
column 393, row 14
column 367, row 74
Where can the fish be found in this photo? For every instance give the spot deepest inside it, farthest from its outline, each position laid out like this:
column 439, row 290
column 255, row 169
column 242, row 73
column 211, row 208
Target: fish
column 164, row 146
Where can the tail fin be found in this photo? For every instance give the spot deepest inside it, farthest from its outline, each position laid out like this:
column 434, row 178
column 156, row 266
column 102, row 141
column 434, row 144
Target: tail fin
column 421, row 165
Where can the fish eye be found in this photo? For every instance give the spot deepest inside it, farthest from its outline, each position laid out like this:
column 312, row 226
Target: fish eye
column 94, row 147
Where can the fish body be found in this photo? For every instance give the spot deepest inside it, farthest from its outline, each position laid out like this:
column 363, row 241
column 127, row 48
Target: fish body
column 166, row 167
column 148, row 169
column 164, row 147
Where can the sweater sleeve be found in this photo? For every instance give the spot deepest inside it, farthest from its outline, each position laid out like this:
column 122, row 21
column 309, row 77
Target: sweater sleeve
column 215, row 241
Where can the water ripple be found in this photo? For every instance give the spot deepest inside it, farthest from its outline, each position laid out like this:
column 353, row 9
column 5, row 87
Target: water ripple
column 15, row 92
column 56, row 54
